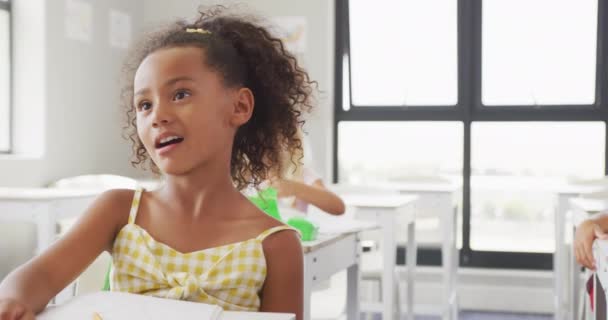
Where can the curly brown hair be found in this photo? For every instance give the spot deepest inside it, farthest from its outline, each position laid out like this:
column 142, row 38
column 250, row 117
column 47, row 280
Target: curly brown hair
column 245, row 54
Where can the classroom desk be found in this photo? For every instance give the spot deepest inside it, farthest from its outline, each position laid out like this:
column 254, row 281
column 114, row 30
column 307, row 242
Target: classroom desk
column 123, row 306
column 384, row 210
column 564, row 192
column 582, row 210
column 44, row 207
column 439, row 197
column 329, row 254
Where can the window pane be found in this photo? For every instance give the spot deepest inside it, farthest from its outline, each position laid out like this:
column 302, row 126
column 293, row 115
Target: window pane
column 539, row 52
column 403, row 52
column 370, row 152
column 4, row 80
column 514, row 166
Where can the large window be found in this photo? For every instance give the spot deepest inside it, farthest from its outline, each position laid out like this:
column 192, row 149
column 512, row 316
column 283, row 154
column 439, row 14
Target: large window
column 508, row 97
column 539, row 52
column 511, row 185
column 420, row 66
column 379, row 152
column 5, row 76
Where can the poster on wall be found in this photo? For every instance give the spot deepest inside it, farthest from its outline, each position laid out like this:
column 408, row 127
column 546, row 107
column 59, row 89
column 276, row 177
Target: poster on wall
column 78, row 20
column 120, row 29
column 292, row 31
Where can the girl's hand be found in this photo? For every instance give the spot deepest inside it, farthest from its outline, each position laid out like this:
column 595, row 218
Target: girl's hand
column 583, row 241
column 13, row 310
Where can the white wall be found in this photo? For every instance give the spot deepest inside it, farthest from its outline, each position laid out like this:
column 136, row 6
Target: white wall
column 67, row 118
column 317, row 59
column 68, row 121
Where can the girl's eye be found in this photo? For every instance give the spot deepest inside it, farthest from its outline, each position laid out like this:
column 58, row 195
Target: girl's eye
column 181, row 95
column 145, row 105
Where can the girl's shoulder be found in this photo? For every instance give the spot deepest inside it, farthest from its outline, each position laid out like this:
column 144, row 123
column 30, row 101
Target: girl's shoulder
column 279, row 238
column 116, row 204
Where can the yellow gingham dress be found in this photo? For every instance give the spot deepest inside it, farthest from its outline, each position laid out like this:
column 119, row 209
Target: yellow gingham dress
column 230, row 276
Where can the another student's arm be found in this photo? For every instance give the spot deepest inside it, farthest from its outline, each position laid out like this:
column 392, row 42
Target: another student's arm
column 315, row 194
column 586, row 232
column 283, row 289
column 32, row 285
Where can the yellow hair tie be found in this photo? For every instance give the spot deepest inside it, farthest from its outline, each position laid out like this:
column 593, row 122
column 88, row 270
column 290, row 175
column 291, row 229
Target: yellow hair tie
column 198, row 30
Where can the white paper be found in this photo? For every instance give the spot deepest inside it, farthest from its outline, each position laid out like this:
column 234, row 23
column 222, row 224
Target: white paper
column 123, row 306
column 120, row 29
column 292, row 30
column 78, row 20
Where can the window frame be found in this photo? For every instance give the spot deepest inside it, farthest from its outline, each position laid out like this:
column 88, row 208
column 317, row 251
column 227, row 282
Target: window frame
column 5, row 5
column 469, row 109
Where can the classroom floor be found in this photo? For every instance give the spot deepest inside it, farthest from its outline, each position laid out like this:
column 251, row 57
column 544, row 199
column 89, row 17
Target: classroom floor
column 328, row 304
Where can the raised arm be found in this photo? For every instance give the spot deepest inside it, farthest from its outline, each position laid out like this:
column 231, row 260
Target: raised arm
column 315, row 194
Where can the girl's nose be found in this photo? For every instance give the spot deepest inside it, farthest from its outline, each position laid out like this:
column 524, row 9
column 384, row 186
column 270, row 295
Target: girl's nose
column 162, row 116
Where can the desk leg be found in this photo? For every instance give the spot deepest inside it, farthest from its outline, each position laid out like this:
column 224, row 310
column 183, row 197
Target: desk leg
column 388, row 267
column 411, row 266
column 45, row 229
column 353, row 277
column 575, row 280
column 455, row 263
column 558, row 272
column 449, row 261
column 307, row 288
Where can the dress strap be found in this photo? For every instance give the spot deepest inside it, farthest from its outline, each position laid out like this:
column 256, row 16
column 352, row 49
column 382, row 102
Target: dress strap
column 272, row 230
column 135, row 205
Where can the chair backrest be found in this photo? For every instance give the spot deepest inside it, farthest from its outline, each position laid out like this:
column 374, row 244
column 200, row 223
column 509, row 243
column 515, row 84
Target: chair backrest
column 95, row 181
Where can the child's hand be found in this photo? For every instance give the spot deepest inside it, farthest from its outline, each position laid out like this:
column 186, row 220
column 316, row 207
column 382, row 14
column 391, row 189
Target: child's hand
column 13, row 310
column 583, row 241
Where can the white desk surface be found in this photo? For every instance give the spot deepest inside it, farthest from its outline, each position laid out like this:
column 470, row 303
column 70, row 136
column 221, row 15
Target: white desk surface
column 123, row 306
column 321, row 241
column 552, row 185
column 589, row 205
column 580, row 188
column 44, row 194
column 413, row 186
column 378, row 200
column 325, row 239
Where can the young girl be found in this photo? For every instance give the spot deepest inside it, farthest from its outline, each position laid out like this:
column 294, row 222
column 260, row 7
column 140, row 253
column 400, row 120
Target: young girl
column 210, row 104
column 300, row 186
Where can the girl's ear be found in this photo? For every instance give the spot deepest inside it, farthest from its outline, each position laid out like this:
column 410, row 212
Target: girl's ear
column 242, row 107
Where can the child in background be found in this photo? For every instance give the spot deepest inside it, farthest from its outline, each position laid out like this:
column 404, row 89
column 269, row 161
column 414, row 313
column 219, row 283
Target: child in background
column 211, row 105
column 301, row 186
